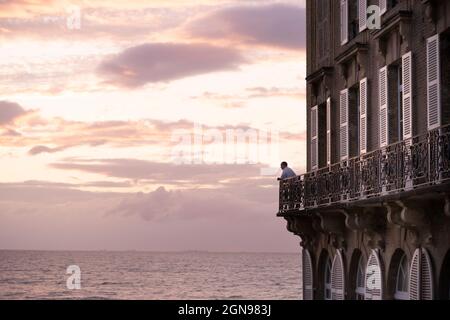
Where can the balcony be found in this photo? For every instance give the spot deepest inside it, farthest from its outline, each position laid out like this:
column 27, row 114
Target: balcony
column 414, row 167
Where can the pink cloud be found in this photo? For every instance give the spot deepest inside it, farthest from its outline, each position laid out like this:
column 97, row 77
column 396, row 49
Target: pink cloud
column 163, row 62
column 276, row 25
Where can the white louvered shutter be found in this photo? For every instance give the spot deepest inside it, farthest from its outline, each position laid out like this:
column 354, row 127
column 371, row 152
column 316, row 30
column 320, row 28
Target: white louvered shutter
column 433, row 83
column 338, row 277
column 344, row 22
column 362, row 5
column 307, row 275
column 374, row 278
column 426, row 276
column 421, row 281
column 363, row 92
column 314, row 138
column 383, row 6
column 384, row 102
column 414, row 272
column 407, row 96
column 329, row 131
column 343, row 118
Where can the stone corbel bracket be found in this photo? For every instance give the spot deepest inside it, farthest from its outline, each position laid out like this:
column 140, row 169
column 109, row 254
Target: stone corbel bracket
column 332, row 223
column 371, row 222
column 405, row 33
column 361, row 59
column 411, row 216
column 302, row 226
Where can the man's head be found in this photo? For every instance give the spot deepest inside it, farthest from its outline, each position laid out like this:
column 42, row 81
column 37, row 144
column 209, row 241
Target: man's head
column 284, row 164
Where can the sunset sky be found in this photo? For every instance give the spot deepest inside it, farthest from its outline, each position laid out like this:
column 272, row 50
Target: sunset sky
column 92, row 109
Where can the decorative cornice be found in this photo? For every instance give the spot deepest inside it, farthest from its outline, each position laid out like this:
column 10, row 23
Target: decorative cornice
column 319, row 74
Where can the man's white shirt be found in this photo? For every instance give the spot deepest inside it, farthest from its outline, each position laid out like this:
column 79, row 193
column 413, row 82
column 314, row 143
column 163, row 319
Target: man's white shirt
column 287, row 173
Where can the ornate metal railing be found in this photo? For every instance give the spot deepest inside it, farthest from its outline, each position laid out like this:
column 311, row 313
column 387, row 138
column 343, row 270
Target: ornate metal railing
column 413, row 163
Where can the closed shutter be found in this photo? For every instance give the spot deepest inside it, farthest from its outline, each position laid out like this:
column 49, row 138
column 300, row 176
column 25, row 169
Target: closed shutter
column 407, row 96
column 338, row 278
column 384, row 102
column 383, row 6
column 307, row 275
column 433, row 83
column 374, row 278
column 343, row 118
column 363, row 92
column 329, row 131
column 421, row 281
column 362, row 15
column 344, row 22
column 314, row 138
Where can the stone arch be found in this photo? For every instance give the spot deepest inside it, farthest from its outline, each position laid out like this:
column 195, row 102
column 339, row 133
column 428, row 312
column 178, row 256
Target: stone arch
column 391, row 283
column 355, row 260
column 321, row 266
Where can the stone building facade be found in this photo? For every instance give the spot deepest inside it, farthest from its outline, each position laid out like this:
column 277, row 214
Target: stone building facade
column 373, row 211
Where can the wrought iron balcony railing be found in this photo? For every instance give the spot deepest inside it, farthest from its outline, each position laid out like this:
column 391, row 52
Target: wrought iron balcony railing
column 411, row 164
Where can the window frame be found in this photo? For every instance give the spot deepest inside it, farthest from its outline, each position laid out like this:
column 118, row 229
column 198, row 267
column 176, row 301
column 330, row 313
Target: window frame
column 403, row 266
column 360, row 275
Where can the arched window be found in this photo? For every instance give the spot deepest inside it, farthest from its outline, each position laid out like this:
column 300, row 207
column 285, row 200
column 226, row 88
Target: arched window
column 338, row 277
column 360, row 277
column 327, row 280
column 374, row 277
column 401, row 282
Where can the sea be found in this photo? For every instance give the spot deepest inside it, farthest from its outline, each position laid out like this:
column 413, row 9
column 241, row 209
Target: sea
column 94, row 275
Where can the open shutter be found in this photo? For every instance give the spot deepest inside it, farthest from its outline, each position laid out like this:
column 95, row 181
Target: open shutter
column 329, row 131
column 374, row 278
column 383, row 100
column 433, row 83
column 338, row 277
column 343, row 118
column 344, row 22
column 421, row 285
column 407, row 96
column 363, row 116
column 362, row 5
column 414, row 272
column 314, row 138
column 383, row 6
column 426, row 276
column 307, row 275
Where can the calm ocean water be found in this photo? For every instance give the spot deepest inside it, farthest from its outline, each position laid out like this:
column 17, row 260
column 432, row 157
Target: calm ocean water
column 146, row 275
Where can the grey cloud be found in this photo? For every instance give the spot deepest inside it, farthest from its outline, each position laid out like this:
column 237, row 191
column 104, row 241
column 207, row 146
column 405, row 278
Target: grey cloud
column 9, row 111
column 44, row 149
column 163, row 62
column 161, row 172
column 277, row 25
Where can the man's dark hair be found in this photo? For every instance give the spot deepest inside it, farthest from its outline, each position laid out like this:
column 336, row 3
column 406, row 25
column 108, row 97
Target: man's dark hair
column 284, row 164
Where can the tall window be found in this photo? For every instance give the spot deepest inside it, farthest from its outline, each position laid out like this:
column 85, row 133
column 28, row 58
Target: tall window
column 395, row 105
column 353, row 19
column 360, row 279
column 401, row 287
column 354, row 120
column 400, row 102
column 327, row 280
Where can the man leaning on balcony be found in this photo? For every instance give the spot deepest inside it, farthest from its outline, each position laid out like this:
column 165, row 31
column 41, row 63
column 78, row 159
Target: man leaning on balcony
column 287, row 172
